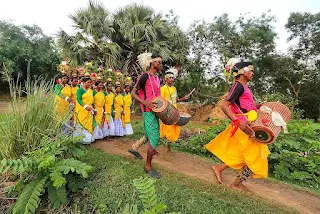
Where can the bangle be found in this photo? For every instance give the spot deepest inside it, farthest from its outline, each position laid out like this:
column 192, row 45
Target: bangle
column 85, row 107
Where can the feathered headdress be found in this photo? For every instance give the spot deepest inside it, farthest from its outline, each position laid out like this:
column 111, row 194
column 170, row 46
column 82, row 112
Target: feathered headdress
column 145, row 60
column 174, row 71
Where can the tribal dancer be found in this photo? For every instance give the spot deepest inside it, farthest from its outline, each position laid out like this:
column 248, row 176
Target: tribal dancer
column 84, row 112
column 99, row 102
column 127, row 104
column 63, row 102
column 148, row 85
column 118, row 111
column 109, row 111
column 235, row 146
column 169, row 92
column 74, row 88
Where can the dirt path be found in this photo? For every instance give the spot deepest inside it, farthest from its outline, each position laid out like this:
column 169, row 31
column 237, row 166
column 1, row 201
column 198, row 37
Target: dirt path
column 199, row 168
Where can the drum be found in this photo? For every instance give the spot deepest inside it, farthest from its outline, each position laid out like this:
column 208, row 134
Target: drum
column 184, row 119
column 167, row 113
column 265, row 130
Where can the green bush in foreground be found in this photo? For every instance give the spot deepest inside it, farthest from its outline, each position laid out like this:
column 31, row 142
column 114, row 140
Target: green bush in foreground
column 48, row 171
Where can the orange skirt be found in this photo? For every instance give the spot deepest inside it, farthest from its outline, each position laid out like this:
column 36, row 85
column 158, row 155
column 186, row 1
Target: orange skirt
column 171, row 132
column 240, row 150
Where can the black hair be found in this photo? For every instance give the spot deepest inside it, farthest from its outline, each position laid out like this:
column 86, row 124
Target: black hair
column 97, row 83
column 169, row 72
column 238, row 66
column 155, row 55
column 85, row 79
column 63, row 75
column 109, row 83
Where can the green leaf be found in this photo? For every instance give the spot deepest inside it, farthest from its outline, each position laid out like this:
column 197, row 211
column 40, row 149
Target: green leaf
column 29, row 199
column 57, row 178
column 57, row 196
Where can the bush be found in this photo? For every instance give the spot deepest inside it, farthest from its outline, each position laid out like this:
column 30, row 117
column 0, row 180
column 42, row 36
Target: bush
column 295, row 157
column 30, row 119
column 47, row 172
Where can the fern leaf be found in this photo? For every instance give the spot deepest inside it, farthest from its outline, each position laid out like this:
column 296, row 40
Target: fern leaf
column 77, row 152
column 16, row 166
column 57, row 178
column 147, row 191
column 29, row 199
column 74, row 166
column 57, row 196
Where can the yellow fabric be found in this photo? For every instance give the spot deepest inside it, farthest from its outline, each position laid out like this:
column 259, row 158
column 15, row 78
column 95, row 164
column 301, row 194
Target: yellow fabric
column 240, row 150
column 171, row 132
column 127, row 101
column 84, row 117
column 74, row 94
column 108, row 105
column 118, row 106
column 61, row 105
column 170, row 93
column 99, row 102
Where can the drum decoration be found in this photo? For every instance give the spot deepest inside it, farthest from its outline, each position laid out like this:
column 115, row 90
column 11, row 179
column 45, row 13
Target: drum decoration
column 167, row 113
column 272, row 118
column 184, row 119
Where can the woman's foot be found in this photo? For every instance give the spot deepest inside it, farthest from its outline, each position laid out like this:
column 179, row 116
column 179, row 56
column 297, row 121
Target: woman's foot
column 217, row 169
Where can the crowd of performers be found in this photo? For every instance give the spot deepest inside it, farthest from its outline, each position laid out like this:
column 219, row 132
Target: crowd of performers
column 91, row 108
column 103, row 109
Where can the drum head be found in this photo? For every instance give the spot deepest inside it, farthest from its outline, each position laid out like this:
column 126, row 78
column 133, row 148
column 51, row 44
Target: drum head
column 183, row 114
column 263, row 135
column 161, row 104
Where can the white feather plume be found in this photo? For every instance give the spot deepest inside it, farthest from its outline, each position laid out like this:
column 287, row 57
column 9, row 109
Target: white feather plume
column 144, row 60
column 174, row 71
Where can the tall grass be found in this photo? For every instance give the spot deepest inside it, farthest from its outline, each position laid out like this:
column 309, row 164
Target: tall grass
column 31, row 116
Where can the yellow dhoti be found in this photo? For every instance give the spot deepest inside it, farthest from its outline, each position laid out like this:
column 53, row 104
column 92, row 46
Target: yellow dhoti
column 171, row 132
column 240, row 150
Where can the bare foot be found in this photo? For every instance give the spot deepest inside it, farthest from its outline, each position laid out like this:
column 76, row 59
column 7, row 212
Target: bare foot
column 238, row 185
column 218, row 172
column 169, row 148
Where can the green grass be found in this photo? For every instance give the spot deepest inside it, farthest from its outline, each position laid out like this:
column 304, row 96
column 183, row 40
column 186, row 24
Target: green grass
column 110, row 186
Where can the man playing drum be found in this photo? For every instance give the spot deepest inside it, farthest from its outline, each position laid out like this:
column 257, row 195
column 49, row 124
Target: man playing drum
column 148, row 85
column 169, row 92
column 235, row 146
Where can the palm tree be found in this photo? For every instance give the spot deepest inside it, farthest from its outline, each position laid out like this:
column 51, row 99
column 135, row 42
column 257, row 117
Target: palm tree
column 138, row 29
column 91, row 40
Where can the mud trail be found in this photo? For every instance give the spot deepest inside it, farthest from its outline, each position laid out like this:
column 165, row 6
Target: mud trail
column 200, row 168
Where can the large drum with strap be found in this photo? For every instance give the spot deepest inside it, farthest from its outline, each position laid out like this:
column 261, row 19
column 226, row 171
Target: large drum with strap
column 167, row 113
column 272, row 118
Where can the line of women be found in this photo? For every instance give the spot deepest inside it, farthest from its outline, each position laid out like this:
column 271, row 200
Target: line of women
column 93, row 110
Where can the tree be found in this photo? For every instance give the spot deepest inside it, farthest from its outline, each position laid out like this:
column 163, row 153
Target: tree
column 92, row 38
column 138, row 29
column 305, row 29
column 20, row 44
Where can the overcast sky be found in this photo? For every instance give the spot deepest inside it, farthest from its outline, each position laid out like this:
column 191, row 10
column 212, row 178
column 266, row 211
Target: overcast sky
column 51, row 15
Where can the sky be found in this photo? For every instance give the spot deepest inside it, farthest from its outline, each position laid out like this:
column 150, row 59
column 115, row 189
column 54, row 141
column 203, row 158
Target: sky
column 51, row 15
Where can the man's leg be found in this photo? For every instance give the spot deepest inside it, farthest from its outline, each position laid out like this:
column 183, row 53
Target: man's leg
column 135, row 147
column 218, row 169
column 245, row 174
